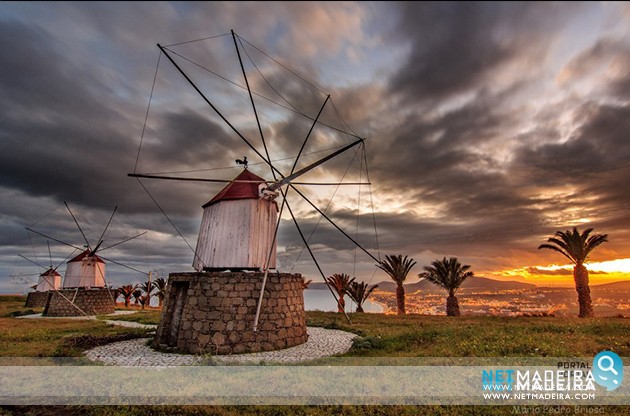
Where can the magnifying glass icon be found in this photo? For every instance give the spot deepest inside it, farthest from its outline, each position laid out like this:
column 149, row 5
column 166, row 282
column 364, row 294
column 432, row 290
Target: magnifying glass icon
column 610, row 367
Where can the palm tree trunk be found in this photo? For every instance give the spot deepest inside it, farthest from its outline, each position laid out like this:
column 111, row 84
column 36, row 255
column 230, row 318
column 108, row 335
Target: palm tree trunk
column 580, row 275
column 341, row 305
column 360, row 309
column 452, row 306
column 400, row 298
column 127, row 302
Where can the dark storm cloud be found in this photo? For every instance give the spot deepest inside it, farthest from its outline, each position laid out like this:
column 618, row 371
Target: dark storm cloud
column 456, row 46
column 589, row 159
column 189, row 139
column 49, row 118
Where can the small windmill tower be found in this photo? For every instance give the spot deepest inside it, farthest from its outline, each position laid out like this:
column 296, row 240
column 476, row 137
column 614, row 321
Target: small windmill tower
column 49, row 280
column 87, row 270
column 237, row 227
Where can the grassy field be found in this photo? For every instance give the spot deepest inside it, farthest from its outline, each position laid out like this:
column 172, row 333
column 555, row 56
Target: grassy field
column 379, row 336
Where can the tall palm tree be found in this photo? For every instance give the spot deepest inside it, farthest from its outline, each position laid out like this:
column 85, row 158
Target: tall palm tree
column 397, row 268
column 359, row 293
column 449, row 274
column 576, row 247
column 341, row 283
column 126, row 292
column 160, row 284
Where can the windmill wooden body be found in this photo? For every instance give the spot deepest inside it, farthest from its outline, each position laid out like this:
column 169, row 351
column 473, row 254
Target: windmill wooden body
column 49, row 280
column 87, row 270
column 238, row 227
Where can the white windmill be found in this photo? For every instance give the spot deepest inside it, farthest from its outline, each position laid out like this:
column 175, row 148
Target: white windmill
column 49, row 280
column 240, row 224
column 84, row 290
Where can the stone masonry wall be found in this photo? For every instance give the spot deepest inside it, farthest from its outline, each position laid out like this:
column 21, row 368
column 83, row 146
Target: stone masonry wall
column 36, row 299
column 213, row 312
column 91, row 301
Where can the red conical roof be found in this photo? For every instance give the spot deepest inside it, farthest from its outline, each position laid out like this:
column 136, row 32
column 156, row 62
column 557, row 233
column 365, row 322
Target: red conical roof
column 50, row 272
column 86, row 253
column 239, row 190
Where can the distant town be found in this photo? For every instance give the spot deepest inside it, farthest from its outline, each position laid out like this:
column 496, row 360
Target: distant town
column 482, row 296
column 608, row 300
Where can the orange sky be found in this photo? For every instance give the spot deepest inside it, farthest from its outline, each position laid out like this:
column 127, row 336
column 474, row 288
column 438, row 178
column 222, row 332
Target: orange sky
column 562, row 274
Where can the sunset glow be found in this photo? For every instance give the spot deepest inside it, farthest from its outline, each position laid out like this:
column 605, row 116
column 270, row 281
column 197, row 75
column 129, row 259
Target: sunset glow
column 562, row 275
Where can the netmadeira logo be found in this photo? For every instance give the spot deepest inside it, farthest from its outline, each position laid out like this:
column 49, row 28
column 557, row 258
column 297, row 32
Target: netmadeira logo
column 569, row 380
column 608, row 370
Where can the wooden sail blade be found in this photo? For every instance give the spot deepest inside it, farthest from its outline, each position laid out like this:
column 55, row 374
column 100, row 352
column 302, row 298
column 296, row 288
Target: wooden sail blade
column 100, row 239
column 216, row 110
column 124, row 241
column 302, row 171
column 78, row 226
column 54, row 239
column 179, row 178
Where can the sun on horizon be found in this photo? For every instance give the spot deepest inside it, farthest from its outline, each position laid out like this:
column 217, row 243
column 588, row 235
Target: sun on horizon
column 600, row 272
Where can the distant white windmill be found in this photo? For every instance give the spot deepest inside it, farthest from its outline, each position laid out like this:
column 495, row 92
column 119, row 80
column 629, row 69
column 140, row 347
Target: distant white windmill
column 47, row 281
column 85, row 290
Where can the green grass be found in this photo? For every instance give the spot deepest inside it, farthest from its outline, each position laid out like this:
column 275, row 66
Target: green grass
column 488, row 336
column 146, row 317
column 381, row 336
column 53, row 337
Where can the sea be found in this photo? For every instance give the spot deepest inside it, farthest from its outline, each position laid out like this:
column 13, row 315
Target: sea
column 317, row 300
column 322, row 300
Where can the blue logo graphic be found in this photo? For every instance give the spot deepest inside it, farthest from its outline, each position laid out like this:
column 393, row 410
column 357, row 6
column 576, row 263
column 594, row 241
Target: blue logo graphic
column 608, row 370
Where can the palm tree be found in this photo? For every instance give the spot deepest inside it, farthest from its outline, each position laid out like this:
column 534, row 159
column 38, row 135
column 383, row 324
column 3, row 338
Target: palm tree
column 397, row 268
column 160, row 284
column 147, row 287
column 576, row 247
column 449, row 274
column 359, row 293
column 341, row 283
column 126, row 292
column 137, row 295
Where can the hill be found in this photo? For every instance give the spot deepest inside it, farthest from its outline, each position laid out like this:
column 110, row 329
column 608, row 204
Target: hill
column 476, row 283
column 623, row 285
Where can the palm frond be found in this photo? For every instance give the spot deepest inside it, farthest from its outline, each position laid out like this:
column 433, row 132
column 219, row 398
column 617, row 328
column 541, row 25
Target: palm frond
column 447, row 273
column 397, row 267
column 574, row 245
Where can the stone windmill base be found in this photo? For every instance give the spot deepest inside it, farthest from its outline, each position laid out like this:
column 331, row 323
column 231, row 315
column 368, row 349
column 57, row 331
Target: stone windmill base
column 36, row 300
column 214, row 312
column 79, row 302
